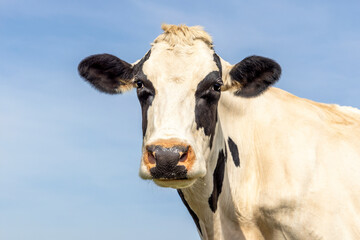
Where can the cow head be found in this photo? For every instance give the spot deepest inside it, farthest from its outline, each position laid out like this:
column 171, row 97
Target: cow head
column 179, row 84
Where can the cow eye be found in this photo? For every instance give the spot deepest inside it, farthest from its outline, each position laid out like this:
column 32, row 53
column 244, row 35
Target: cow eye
column 139, row 84
column 217, row 87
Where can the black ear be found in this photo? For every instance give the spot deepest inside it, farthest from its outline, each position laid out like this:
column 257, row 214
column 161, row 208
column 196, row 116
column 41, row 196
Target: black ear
column 255, row 74
column 107, row 73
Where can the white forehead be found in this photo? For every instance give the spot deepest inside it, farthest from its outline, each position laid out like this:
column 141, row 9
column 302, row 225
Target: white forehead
column 184, row 65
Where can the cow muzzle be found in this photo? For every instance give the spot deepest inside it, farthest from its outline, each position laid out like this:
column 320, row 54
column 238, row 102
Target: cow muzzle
column 168, row 160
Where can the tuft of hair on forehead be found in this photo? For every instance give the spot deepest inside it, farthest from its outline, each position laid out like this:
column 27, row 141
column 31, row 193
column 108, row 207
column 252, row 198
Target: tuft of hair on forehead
column 183, row 35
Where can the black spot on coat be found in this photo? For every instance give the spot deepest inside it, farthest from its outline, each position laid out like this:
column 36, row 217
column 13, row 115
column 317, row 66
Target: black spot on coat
column 192, row 213
column 234, row 152
column 218, row 179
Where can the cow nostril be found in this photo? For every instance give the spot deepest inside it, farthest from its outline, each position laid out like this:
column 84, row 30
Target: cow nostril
column 183, row 157
column 151, row 157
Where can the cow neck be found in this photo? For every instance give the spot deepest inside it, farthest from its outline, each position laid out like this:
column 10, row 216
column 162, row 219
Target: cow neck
column 203, row 198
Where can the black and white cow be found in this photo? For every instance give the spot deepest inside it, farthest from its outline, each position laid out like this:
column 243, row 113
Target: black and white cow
column 249, row 161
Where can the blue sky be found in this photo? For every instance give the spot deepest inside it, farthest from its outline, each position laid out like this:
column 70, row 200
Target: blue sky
column 69, row 155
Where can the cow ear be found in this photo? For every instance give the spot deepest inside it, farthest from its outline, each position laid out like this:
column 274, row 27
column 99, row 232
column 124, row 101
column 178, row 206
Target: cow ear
column 107, row 73
column 254, row 75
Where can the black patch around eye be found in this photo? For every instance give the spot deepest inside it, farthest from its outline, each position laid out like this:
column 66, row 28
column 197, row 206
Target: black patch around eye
column 206, row 85
column 146, row 93
column 234, row 152
column 145, row 90
column 206, row 104
column 192, row 213
column 146, row 96
column 218, row 179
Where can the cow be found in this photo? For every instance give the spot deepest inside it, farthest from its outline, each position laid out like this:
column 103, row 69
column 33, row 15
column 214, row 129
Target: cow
column 249, row 161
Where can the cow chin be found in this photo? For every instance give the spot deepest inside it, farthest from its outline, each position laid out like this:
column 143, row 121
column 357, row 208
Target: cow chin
column 186, row 181
column 180, row 183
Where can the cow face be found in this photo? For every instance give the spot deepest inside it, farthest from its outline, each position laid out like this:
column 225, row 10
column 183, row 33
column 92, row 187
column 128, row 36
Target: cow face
column 179, row 83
